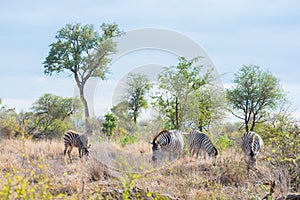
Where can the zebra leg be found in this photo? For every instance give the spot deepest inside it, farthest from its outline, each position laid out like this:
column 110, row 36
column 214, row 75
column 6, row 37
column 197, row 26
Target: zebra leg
column 190, row 152
column 170, row 156
column 69, row 153
column 65, row 151
column 198, row 150
column 80, row 152
column 193, row 152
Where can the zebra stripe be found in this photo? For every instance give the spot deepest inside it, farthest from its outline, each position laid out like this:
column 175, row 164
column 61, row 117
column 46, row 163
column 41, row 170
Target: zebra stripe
column 74, row 139
column 197, row 141
column 167, row 141
column 251, row 145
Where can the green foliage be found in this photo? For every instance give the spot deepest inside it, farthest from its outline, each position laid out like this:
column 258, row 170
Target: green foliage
column 110, row 31
column 129, row 180
column 84, row 52
column 51, row 115
column 81, row 49
column 9, row 121
column 206, row 105
column 53, row 107
column 110, row 124
column 128, row 184
column 223, row 142
column 180, row 87
column 256, row 92
column 128, row 139
column 281, row 134
column 137, row 86
column 125, row 121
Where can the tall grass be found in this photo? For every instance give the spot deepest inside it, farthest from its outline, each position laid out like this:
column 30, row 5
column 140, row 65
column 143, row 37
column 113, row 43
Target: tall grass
column 37, row 170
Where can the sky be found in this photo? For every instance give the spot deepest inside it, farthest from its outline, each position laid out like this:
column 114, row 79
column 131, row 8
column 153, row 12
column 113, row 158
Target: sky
column 232, row 33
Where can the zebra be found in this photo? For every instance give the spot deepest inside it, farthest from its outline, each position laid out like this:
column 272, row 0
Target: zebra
column 197, row 141
column 251, row 145
column 167, row 141
column 74, row 139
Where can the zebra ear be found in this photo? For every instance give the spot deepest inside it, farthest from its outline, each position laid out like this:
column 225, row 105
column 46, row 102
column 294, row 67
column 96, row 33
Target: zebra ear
column 150, row 142
column 89, row 146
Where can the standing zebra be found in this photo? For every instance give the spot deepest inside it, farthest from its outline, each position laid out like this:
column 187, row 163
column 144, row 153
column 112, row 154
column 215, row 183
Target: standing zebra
column 251, row 145
column 167, row 141
column 197, row 141
column 74, row 139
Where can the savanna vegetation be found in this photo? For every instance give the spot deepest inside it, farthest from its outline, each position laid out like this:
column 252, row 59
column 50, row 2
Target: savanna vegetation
column 119, row 166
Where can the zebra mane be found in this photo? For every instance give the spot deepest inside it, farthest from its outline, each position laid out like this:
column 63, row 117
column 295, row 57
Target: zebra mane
column 160, row 134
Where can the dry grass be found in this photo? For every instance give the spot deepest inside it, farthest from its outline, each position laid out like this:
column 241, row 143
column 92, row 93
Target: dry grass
column 116, row 172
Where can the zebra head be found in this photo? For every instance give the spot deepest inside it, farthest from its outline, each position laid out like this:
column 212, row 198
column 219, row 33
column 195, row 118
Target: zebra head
column 213, row 152
column 86, row 151
column 155, row 150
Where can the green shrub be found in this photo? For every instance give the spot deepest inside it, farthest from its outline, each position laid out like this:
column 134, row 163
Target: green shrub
column 223, row 143
column 128, row 139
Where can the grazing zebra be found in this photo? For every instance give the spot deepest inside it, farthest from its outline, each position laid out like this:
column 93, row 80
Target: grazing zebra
column 251, row 145
column 197, row 141
column 167, row 141
column 74, row 139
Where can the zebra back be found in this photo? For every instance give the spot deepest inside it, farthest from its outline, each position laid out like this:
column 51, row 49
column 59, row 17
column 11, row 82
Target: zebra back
column 167, row 141
column 197, row 140
column 75, row 139
column 251, row 145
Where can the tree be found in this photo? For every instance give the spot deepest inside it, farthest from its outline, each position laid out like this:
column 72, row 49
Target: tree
column 110, row 124
column 50, row 112
column 202, row 107
column 137, row 87
column 124, row 119
column 282, row 136
column 254, row 95
column 81, row 50
column 8, row 121
column 177, row 87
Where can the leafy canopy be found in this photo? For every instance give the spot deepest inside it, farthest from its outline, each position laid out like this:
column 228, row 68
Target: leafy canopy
column 50, row 112
column 137, row 86
column 82, row 50
column 110, row 124
column 177, row 86
column 254, row 95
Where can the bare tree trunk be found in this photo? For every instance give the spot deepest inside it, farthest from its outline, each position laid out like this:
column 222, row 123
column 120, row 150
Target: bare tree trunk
column 88, row 129
column 176, row 114
column 80, row 85
column 246, row 123
column 135, row 116
column 253, row 123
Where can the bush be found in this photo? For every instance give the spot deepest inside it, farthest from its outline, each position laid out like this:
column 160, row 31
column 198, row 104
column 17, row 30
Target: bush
column 281, row 137
column 128, row 139
column 9, row 122
column 223, row 143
